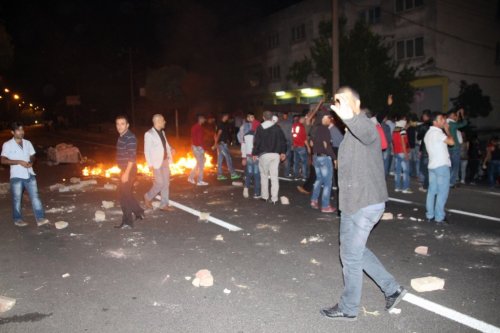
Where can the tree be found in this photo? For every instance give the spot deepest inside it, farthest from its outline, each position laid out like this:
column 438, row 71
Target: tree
column 365, row 65
column 473, row 101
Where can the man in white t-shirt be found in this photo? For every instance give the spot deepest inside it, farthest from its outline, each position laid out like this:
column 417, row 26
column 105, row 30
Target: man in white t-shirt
column 20, row 155
column 437, row 142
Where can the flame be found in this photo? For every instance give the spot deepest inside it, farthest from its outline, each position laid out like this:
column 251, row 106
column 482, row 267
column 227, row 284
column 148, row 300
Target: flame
column 183, row 165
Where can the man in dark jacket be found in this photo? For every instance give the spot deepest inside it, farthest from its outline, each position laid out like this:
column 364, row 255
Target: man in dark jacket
column 424, row 157
column 363, row 193
column 269, row 147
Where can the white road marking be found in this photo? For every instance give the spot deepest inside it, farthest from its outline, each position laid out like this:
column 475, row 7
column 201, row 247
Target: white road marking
column 212, row 219
column 456, row 211
column 282, row 178
column 451, row 314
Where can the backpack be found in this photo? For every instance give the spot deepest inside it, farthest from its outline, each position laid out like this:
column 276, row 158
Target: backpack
column 383, row 139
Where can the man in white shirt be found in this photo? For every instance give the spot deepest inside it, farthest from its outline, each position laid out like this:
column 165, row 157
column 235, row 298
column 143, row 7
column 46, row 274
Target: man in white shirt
column 436, row 143
column 20, row 155
column 158, row 155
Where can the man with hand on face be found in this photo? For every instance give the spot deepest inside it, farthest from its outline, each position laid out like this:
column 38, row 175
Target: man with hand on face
column 158, row 155
column 362, row 197
column 20, row 155
column 126, row 158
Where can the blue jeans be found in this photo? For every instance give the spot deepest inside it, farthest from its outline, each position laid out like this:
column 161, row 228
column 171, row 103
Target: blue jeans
column 414, row 162
column 455, row 164
column 17, row 185
column 223, row 153
column 300, row 158
column 356, row 257
column 437, row 194
column 324, row 172
column 424, row 162
column 199, row 154
column 493, row 172
column 387, row 159
column 252, row 171
column 402, row 168
column 287, row 163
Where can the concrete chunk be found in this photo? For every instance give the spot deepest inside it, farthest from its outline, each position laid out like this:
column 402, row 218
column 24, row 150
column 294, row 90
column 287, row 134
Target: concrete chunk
column 428, row 283
column 100, row 216
column 422, row 250
column 110, row 187
column 6, row 303
column 284, row 201
column 203, row 278
column 107, row 204
column 61, row 224
column 387, row 216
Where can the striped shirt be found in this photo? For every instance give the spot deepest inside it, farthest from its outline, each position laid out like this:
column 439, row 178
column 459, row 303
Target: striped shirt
column 126, row 149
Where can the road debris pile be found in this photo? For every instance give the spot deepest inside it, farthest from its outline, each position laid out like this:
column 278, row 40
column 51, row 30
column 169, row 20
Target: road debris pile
column 203, row 278
column 6, row 303
column 64, row 153
column 428, row 283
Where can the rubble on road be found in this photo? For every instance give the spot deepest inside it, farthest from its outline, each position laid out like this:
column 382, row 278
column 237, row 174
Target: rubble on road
column 64, row 153
column 204, row 217
column 372, row 313
column 4, row 188
column 110, row 187
column 284, row 200
column 62, row 209
column 387, row 216
column 203, row 278
column 400, row 217
column 100, row 216
column 219, row 238
column 65, row 275
column 428, row 283
column 238, row 184
column 313, row 239
column 284, row 252
column 74, row 180
column 315, row 262
column 74, row 187
column 395, row 311
column 227, row 291
column 107, row 204
column 61, row 225
column 422, row 250
column 6, row 303
column 274, row 228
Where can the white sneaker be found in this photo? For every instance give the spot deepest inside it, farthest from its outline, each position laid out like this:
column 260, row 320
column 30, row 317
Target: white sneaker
column 245, row 192
column 397, row 190
column 407, row 191
column 42, row 222
column 20, row 224
column 191, row 181
column 202, row 183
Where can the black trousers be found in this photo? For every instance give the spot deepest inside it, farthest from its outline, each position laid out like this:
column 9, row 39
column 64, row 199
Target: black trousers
column 127, row 200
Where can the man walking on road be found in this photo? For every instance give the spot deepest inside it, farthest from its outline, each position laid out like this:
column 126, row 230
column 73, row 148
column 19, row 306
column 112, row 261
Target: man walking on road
column 20, row 155
column 363, row 193
column 456, row 121
column 269, row 147
column 158, row 155
column 126, row 158
column 222, row 139
column 436, row 143
column 198, row 151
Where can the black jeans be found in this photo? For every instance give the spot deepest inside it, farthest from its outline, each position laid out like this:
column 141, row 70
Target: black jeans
column 127, row 201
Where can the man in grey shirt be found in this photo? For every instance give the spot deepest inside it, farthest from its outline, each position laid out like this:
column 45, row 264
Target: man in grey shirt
column 363, row 193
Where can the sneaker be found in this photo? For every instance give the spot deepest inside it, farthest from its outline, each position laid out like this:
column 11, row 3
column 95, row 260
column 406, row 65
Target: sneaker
column 328, row 209
column 407, row 191
column 221, row 177
column 235, row 176
column 397, row 190
column 314, row 204
column 202, row 183
column 20, row 224
column 422, row 189
column 42, row 222
column 256, row 197
column 336, row 314
column 190, row 180
column 394, row 299
column 245, row 192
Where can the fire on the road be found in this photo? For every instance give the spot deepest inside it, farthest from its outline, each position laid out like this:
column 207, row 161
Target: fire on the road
column 180, row 167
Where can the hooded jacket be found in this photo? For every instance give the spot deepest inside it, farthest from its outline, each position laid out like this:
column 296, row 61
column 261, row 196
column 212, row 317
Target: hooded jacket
column 269, row 138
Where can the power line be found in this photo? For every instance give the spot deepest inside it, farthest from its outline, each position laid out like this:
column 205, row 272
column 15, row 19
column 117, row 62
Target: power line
column 429, row 28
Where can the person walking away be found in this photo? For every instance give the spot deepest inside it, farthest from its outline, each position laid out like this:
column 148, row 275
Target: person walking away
column 464, row 158
column 269, row 148
column 126, row 159
column 436, row 143
column 19, row 154
column 286, row 126
column 411, row 132
column 198, row 152
column 323, row 156
column 492, row 162
column 300, row 155
column 159, row 155
column 456, row 121
column 222, row 139
column 251, row 165
column 363, row 193
column 423, row 156
column 401, row 149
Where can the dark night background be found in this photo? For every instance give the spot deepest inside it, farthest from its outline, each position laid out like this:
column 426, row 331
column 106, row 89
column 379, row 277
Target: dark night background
column 82, row 47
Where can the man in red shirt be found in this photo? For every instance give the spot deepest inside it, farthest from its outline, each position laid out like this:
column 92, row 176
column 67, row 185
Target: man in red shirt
column 299, row 137
column 401, row 150
column 198, row 151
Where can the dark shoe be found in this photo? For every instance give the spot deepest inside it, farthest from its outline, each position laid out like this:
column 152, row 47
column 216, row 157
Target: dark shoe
column 430, row 220
column 445, row 221
column 167, row 209
column 139, row 216
column 336, row 314
column 394, row 299
column 124, row 226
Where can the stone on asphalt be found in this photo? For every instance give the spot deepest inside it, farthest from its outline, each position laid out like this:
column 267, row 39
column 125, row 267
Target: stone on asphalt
column 428, row 283
column 227, row 291
column 387, row 216
column 203, row 278
column 156, row 204
column 74, row 180
column 66, row 275
column 219, row 238
column 6, row 303
column 422, row 250
column 238, row 184
column 61, row 225
column 204, row 217
column 100, row 216
column 107, row 204
column 395, row 311
column 56, row 187
column 4, row 188
column 284, row 200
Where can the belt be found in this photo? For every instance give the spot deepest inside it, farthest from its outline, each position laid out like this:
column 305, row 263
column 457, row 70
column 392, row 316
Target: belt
column 321, row 155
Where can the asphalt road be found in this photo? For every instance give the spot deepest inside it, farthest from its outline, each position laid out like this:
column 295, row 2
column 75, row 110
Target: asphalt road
column 135, row 281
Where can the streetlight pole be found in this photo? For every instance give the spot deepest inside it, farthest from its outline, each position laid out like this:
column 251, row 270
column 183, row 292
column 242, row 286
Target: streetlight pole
column 335, row 47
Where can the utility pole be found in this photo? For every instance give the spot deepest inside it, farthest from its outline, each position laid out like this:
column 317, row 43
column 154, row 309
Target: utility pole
column 335, row 46
column 131, row 69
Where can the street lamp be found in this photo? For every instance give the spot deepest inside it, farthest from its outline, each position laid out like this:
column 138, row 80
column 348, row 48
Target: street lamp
column 16, row 96
column 6, row 90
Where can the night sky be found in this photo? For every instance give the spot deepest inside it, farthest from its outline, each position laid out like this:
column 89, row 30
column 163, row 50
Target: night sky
column 82, row 47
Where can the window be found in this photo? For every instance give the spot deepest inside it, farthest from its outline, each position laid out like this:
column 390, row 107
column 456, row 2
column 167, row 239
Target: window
column 370, row 16
column 274, row 73
column 402, row 5
column 410, row 48
column 298, row 32
column 273, row 41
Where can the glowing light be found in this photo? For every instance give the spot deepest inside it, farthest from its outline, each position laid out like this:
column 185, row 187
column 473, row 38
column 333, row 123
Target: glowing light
column 36, row 121
column 6, row 90
column 31, row 105
column 311, row 92
column 16, row 96
column 280, row 93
